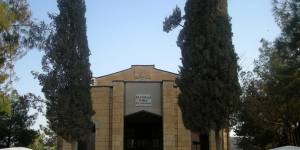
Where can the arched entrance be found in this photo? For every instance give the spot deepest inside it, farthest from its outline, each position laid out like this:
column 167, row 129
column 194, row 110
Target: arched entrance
column 143, row 131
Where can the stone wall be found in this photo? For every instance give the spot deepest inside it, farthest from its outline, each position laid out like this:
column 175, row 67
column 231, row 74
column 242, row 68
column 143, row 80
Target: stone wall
column 118, row 116
column 101, row 98
column 108, row 103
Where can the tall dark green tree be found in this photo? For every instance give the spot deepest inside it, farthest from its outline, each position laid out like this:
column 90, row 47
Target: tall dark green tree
column 209, row 73
column 66, row 81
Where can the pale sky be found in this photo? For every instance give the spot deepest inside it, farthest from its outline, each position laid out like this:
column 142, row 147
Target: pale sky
column 126, row 32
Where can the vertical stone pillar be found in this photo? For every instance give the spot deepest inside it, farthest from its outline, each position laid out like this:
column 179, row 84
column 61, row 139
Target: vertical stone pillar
column 100, row 100
column 74, row 145
column 68, row 145
column 118, row 115
column 184, row 135
column 219, row 140
column 212, row 140
column 63, row 144
column 226, row 139
column 169, row 115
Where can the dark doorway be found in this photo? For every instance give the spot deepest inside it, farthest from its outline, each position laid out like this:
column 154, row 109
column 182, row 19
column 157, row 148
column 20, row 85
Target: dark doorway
column 204, row 142
column 143, row 131
column 200, row 141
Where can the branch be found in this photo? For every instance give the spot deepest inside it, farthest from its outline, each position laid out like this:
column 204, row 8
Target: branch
column 172, row 21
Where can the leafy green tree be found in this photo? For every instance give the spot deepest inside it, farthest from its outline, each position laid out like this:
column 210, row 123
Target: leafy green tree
column 14, row 21
column 277, row 71
column 66, row 81
column 282, row 78
column 257, row 112
column 209, row 73
column 18, row 34
column 14, row 34
column 15, row 127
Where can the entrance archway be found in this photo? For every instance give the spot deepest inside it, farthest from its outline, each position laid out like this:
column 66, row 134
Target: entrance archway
column 143, row 131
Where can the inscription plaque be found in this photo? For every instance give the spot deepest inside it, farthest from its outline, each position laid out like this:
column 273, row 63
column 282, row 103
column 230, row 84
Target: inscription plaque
column 143, row 100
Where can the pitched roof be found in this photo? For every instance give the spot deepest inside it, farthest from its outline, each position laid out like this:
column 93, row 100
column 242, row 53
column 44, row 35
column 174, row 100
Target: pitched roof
column 136, row 73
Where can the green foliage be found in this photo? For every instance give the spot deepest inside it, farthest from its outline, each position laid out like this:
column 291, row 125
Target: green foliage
column 254, row 111
column 18, row 34
column 50, row 138
column 38, row 143
column 5, row 18
column 208, row 77
column 14, row 118
column 15, row 127
column 66, row 81
column 5, row 107
column 16, row 37
column 173, row 20
column 46, row 140
column 277, row 80
column 13, row 12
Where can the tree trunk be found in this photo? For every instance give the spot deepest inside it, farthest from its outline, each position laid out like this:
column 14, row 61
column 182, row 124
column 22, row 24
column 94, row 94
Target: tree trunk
column 297, row 134
column 290, row 136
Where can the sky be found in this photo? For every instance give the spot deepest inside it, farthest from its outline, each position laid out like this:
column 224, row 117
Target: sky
column 126, row 32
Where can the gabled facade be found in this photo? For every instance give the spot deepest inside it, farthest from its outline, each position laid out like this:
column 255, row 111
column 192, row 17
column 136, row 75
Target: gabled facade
column 136, row 109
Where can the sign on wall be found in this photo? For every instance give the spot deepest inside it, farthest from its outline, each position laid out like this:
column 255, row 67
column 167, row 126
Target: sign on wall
column 143, row 100
column 143, row 96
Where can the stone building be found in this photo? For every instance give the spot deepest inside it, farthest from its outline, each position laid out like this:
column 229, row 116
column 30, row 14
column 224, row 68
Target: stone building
column 136, row 109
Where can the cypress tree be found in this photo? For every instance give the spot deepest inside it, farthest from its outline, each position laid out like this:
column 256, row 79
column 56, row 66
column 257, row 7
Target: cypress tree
column 209, row 73
column 66, row 81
